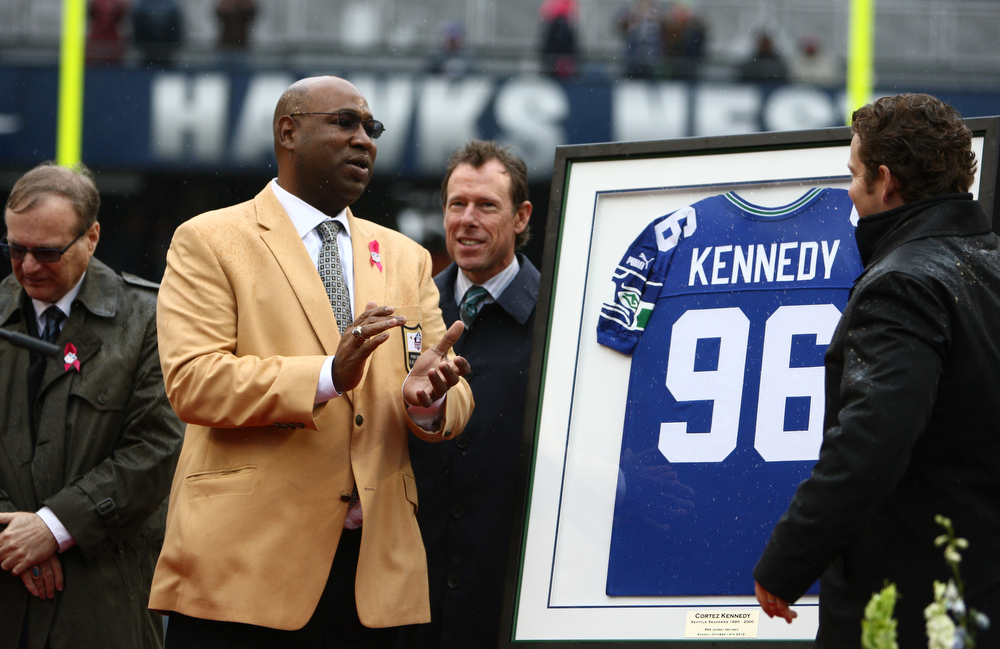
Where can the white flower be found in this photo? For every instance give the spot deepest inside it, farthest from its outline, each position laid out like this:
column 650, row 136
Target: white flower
column 951, row 593
column 940, row 632
column 940, row 628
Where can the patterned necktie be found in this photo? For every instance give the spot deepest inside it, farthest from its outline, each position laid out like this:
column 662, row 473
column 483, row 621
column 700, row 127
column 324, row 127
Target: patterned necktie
column 332, row 274
column 340, row 299
column 53, row 319
column 471, row 302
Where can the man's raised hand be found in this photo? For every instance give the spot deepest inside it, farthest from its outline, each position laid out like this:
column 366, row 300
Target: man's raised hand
column 372, row 329
column 434, row 373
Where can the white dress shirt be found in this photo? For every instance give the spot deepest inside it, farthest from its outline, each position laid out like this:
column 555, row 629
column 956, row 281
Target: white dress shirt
column 306, row 218
column 495, row 286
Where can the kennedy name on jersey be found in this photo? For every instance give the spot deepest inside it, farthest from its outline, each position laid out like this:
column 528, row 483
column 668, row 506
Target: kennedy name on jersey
column 705, row 247
column 790, row 261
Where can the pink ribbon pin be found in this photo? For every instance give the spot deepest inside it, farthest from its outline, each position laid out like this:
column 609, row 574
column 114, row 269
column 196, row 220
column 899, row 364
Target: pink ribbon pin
column 376, row 258
column 70, row 357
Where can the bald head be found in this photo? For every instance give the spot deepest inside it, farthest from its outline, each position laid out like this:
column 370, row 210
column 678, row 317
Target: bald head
column 298, row 98
column 323, row 161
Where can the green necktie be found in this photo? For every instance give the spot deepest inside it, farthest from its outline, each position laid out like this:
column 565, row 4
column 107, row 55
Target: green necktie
column 471, row 302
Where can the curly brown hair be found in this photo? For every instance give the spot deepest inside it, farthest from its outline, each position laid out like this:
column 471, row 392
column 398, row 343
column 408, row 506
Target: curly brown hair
column 477, row 153
column 76, row 185
column 922, row 140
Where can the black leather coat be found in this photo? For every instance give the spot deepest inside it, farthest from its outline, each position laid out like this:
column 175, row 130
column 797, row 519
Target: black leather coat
column 912, row 428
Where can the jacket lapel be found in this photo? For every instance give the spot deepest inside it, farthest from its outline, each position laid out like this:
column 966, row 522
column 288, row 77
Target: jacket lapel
column 98, row 297
column 285, row 244
column 369, row 279
column 86, row 343
column 447, row 299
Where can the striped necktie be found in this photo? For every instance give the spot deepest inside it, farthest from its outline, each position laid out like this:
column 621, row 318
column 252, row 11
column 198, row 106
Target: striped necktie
column 471, row 302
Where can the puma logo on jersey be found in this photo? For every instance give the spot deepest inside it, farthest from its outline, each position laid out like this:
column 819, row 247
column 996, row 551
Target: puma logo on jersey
column 639, row 264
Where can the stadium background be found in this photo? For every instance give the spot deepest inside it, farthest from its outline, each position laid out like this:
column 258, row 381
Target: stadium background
column 170, row 140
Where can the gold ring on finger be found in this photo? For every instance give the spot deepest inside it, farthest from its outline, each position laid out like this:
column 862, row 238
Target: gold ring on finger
column 357, row 334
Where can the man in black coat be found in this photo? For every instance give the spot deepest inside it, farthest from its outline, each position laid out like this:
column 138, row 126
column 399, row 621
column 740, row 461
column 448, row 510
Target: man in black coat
column 466, row 485
column 912, row 424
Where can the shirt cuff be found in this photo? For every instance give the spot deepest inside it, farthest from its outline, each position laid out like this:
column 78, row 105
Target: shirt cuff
column 428, row 418
column 63, row 537
column 324, row 389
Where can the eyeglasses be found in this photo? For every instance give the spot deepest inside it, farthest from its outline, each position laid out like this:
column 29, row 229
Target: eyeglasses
column 42, row 255
column 350, row 121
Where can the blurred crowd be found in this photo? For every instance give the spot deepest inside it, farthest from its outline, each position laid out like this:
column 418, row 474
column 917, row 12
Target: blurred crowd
column 156, row 28
column 658, row 41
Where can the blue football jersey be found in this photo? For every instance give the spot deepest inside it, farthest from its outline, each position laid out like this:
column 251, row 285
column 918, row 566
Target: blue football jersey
column 726, row 309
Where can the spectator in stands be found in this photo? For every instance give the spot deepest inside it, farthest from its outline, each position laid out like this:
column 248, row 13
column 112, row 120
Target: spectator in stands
column 684, row 38
column 559, row 37
column 156, row 29
column 641, row 24
column 451, row 59
column 235, row 20
column 104, row 40
column 765, row 64
column 812, row 65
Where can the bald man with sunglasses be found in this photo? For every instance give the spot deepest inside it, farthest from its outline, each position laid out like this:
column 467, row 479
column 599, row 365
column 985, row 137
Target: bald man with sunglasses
column 302, row 345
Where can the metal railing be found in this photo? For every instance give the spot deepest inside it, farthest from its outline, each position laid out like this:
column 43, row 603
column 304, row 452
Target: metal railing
column 948, row 40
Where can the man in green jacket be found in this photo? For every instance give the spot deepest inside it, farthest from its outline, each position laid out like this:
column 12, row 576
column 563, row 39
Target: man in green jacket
column 88, row 441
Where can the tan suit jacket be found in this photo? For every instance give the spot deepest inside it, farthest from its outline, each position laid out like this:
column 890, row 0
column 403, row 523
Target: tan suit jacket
column 258, row 501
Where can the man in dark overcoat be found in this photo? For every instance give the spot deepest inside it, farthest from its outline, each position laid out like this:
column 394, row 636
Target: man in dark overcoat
column 466, row 485
column 912, row 426
column 88, row 441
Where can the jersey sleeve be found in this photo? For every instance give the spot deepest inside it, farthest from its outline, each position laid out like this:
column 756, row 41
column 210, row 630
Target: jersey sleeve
column 638, row 280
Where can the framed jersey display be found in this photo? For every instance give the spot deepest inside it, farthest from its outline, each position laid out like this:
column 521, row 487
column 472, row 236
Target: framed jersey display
column 689, row 291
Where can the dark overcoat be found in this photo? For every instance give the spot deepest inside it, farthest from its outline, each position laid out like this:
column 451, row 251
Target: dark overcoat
column 107, row 442
column 466, row 485
column 912, row 428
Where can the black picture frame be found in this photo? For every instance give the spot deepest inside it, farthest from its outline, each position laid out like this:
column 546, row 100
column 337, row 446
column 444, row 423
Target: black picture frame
column 766, row 161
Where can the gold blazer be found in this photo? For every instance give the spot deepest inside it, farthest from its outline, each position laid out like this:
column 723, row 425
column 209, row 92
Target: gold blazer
column 258, row 500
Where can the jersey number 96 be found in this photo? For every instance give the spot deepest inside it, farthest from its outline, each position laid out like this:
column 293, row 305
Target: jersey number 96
column 724, row 385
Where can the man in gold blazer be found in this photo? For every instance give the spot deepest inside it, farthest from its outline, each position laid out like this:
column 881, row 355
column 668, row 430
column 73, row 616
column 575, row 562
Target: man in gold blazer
column 292, row 512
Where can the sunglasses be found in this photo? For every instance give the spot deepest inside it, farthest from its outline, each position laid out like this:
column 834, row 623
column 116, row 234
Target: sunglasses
column 42, row 255
column 350, row 121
